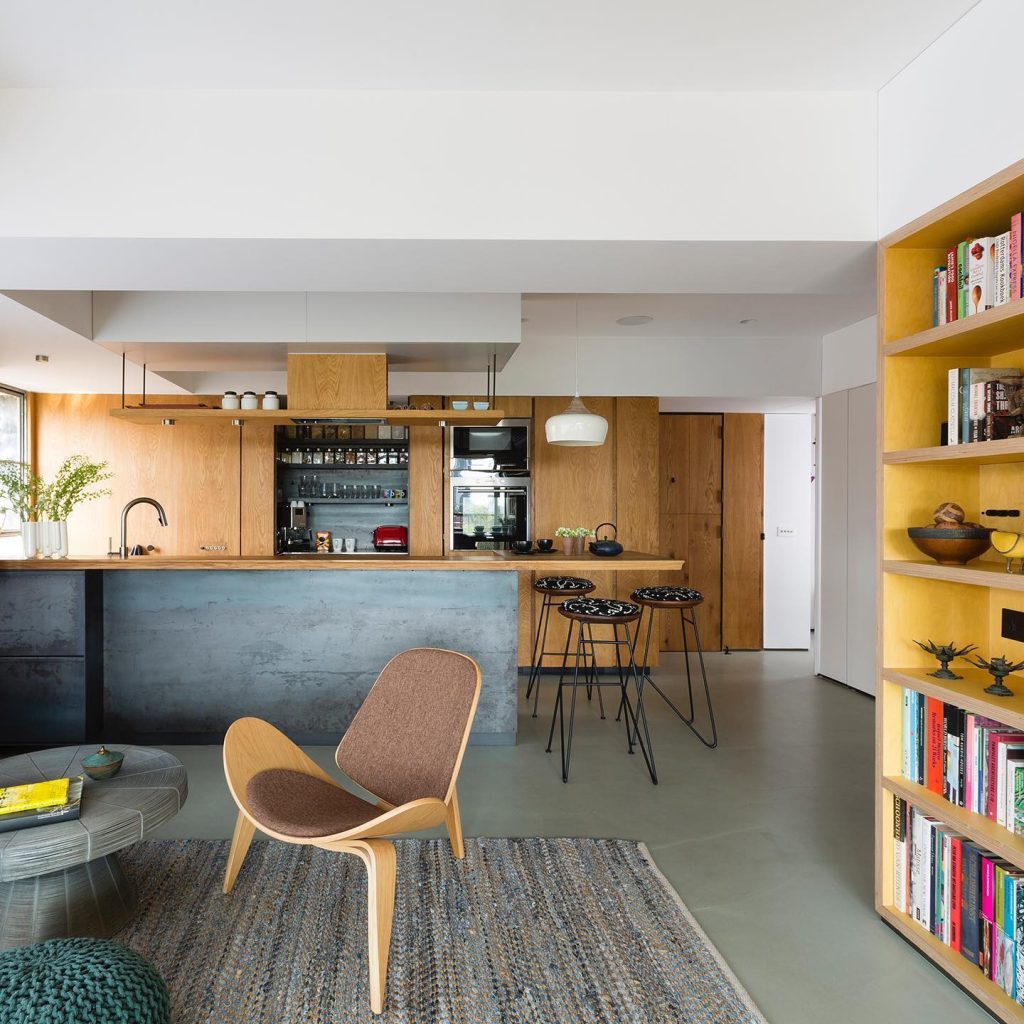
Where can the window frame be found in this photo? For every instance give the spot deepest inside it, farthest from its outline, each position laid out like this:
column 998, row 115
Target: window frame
column 22, row 455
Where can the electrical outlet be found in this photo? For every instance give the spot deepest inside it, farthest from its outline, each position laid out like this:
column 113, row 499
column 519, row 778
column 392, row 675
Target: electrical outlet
column 1013, row 625
column 785, row 531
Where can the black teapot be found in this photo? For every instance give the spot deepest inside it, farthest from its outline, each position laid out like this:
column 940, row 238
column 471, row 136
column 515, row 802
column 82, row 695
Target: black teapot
column 607, row 548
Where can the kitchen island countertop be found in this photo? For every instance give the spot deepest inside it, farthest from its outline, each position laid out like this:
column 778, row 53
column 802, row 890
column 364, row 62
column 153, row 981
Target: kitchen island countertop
column 491, row 561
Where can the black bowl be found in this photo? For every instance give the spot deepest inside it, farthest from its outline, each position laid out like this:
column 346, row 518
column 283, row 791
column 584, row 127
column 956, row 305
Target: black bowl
column 544, row 544
column 523, row 547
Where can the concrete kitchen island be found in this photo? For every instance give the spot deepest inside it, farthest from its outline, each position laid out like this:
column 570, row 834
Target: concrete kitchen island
column 173, row 650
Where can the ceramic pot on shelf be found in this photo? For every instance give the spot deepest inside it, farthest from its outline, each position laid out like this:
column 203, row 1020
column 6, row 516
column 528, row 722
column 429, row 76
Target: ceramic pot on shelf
column 60, row 538
column 568, row 544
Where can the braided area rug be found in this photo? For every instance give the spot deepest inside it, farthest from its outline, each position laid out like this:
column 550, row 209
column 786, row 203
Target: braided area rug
column 554, row 931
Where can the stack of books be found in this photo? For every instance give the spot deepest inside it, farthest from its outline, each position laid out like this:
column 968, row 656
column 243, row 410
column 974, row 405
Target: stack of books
column 984, row 404
column 969, row 760
column 979, row 274
column 40, row 803
column 960, row 892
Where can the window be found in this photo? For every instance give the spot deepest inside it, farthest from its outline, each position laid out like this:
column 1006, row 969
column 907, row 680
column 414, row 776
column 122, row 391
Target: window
column 12, row 439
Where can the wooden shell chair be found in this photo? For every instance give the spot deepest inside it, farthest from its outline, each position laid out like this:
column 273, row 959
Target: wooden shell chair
column 404, row 745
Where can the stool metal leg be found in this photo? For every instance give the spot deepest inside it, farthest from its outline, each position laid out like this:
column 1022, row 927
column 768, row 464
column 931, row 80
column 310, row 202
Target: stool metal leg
column 645, row 744
column 537, row 645
column 538, row 660
column 687, row 720
column 567, row 741
column 592, row 671
column 558, row 696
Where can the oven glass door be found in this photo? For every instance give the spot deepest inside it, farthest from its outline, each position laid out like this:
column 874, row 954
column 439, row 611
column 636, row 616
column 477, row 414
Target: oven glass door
column 490, row 449
column 489, row 516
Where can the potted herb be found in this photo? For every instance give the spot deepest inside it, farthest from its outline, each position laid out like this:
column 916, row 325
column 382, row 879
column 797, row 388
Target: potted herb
column 580, row 536
column 69, row 488
column 44, row 508
column 567, row 535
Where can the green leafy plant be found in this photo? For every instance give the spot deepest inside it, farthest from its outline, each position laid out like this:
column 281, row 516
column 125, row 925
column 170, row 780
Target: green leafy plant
column 565, row 531
column 20, row 489
column 582, row 531
column 70, row 487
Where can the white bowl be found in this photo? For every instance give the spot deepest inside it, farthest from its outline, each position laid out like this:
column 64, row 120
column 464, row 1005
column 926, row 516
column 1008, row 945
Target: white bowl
column 460, row 405
column 480, row 406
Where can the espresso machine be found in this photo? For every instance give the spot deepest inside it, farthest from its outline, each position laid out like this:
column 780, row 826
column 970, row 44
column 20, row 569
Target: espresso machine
column 295, row 537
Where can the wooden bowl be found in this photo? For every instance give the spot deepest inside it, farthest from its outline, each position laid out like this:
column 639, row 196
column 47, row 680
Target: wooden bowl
column 950, row 546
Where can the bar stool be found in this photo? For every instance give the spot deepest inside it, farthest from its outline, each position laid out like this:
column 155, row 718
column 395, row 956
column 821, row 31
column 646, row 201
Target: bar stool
column 555, row 590
column 584, row 613
column 686, row 600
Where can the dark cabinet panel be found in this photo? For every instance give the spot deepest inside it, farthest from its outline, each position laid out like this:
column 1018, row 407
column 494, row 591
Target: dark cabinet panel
column 42, row 613
column 43, row 700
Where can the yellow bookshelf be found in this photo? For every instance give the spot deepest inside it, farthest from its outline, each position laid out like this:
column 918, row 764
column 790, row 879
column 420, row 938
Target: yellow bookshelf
column 919, row 599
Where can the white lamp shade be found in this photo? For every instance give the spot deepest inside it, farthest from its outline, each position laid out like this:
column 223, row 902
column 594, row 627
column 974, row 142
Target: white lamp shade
column 576, row 427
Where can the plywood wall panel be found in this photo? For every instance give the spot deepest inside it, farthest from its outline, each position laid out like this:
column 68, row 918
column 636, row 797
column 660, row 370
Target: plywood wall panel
column 697, row 539
column 333, row 381
column 257, row 489
column 426, row 491
column 742, row 525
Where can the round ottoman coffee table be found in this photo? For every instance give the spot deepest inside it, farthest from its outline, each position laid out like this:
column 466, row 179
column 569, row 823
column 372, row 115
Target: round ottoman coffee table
column 64, row 879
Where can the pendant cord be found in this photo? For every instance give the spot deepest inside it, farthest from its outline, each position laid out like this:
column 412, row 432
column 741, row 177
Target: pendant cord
column 577, row 323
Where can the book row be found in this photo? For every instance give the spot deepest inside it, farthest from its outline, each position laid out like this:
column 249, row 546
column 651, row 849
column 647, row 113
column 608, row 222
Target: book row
column 984, row 404
column 960, row 892
column 971, row 761
column 979, row 274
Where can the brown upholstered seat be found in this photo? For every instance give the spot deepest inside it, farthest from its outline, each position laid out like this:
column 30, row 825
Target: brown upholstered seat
column 297, row 804
column 404, row 745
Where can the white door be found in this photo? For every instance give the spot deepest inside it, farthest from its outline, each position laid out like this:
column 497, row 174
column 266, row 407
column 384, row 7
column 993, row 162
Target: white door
column 788, row 529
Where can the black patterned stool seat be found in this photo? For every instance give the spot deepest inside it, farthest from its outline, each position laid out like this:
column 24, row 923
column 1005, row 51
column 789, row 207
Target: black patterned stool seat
column 563, row 585
column 599, row 609
column 668, row 597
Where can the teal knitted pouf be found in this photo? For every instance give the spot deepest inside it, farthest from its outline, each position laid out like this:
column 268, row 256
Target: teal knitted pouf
column 80, row 981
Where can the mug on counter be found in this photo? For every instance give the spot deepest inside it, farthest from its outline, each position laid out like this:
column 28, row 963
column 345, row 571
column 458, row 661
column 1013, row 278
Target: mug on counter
column 350, row 544
column 337, row 545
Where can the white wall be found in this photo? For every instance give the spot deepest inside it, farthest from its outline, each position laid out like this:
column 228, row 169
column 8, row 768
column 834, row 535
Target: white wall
column 849, row 356
column 402, row 165
column 788, row 506
column 696, row 367
column 920, row 164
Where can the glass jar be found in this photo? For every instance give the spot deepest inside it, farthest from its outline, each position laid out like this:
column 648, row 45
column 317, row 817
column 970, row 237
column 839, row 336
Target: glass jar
column 318, row 457
column 250, row 401
column 361, row 457
column 392, row 456
column 371, row 457
column 230, row 400
column 350, row 457
column 307, row 457
column 296, row 456
column 403, row 459
column 271, row 400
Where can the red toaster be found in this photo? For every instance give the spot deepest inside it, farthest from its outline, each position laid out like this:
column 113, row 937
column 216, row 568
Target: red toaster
column 390, row 538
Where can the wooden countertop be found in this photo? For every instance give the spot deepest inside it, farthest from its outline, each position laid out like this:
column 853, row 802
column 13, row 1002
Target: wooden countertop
column 479, row 560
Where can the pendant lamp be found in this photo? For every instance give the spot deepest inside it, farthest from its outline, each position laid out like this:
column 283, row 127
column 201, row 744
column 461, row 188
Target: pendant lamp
column 577, row 427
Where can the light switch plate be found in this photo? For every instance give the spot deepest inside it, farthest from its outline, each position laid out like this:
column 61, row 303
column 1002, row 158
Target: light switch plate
column 785, row 531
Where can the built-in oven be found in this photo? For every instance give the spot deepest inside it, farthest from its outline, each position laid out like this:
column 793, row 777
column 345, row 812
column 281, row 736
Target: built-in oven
column 488, row 513
column 502, row 448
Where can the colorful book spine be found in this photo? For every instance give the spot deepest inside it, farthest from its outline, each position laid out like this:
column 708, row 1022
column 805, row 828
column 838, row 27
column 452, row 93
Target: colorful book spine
column 899, row 845
column 981, row 257
column 951, row 285
column 953, row 407
column 1001, row 270
column 1015, row 257
column 934, row 772
column 970, row 946
column 961, row 279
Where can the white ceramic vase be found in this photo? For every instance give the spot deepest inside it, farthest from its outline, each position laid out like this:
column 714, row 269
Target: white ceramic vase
column 45, row 531
column 30, row 539
column 60, row 539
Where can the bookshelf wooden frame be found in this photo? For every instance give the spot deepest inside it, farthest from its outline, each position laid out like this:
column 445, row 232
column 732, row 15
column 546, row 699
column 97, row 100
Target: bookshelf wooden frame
column 919, row 599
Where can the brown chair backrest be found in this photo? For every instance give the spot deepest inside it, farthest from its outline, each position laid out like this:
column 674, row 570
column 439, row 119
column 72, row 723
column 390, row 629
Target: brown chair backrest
column 406, row 741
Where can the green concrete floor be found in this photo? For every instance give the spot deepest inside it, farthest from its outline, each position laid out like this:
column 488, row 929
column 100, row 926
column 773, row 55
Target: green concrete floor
column 768, row 839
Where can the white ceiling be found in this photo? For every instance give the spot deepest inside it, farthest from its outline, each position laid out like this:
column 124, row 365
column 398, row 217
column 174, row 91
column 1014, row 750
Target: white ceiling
column 645, row 45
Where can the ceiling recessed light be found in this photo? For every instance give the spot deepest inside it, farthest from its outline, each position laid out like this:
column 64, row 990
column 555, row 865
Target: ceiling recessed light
column 749, row 320
column 42, row 359
column 634, row 321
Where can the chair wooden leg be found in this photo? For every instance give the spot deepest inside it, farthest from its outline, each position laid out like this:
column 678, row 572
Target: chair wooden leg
column 240, row 841
column 379, row 857
column 453, row 821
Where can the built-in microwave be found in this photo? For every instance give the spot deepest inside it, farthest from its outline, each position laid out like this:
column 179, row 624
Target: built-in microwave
column 501, row 448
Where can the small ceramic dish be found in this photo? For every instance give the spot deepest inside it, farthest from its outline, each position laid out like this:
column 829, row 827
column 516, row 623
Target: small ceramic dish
column 480, row 406
column 460, row 405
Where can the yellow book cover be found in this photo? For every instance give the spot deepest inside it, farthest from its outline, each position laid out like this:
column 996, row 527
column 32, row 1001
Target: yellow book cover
column 33, row 796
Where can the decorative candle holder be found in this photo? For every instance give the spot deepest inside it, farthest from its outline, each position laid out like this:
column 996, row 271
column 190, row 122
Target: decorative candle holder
column 1000, row 669
column 945, row 653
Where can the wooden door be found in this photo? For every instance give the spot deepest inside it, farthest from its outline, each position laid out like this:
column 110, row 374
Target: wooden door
column 742, row 531
column 690, row 499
